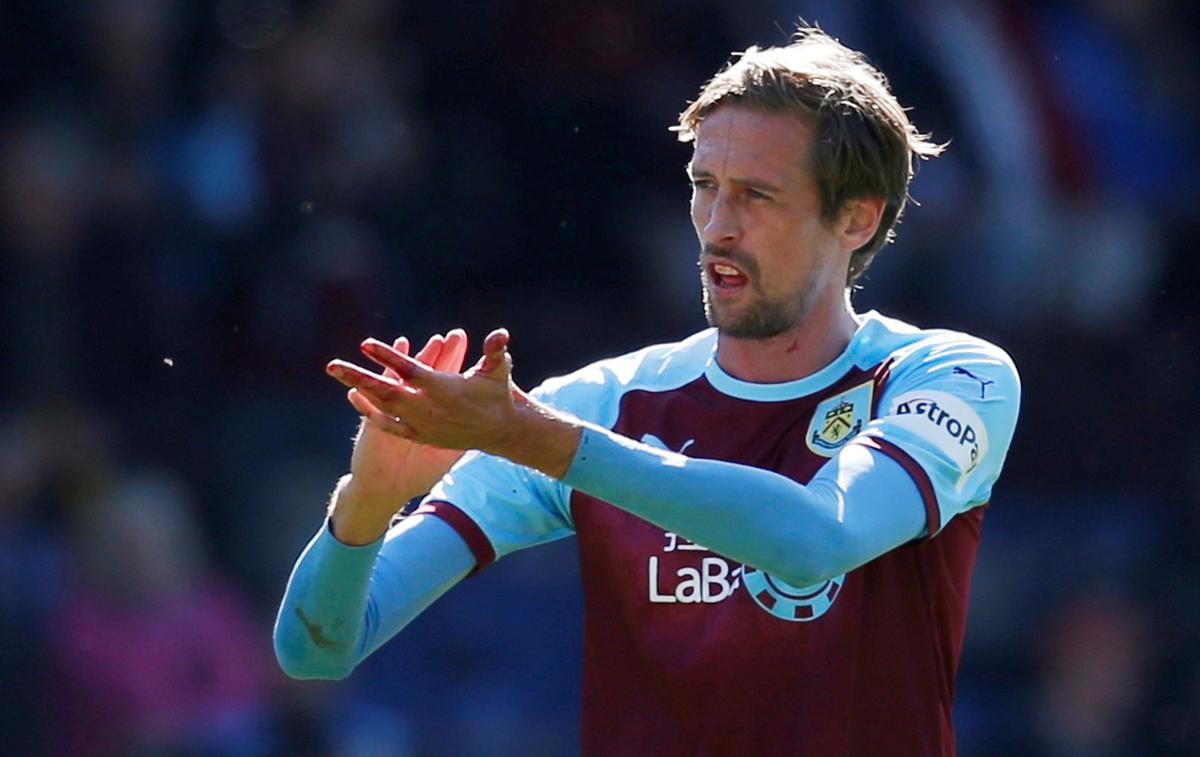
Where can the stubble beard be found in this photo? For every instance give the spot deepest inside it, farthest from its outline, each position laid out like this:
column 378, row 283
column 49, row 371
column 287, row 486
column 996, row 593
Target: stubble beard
column 762, row 319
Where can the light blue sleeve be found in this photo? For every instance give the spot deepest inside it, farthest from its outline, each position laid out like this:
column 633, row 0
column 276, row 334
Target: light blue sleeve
column 860, row 504
column 343, row 602
column 499, row 507
column 950, row 406
column 507, row 507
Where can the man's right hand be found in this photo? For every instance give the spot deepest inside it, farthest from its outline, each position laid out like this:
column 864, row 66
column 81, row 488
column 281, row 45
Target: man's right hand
column 387, row 470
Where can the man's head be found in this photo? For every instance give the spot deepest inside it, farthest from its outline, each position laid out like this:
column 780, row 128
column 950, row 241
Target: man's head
column 853, row 143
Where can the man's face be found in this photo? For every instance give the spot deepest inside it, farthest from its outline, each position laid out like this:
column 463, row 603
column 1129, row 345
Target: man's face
column 766, row 256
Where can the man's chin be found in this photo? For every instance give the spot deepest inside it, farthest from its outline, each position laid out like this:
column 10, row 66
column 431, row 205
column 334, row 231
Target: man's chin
column 752, row 325
column 748, row 334
column 751, row 329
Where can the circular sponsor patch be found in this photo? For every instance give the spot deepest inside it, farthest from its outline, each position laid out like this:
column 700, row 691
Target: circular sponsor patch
column 792, row 603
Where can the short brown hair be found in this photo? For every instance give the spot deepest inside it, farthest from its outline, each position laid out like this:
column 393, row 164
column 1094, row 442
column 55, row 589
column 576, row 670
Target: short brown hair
column 865, row 143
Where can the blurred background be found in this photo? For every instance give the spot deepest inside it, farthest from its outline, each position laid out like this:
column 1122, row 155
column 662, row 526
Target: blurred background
column 202, row 202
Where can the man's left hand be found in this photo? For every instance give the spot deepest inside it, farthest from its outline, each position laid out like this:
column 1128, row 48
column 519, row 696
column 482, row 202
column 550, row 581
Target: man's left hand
column 477, row 409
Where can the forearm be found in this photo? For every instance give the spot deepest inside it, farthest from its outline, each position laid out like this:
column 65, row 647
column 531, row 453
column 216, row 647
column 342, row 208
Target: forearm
column 355, row 519
column 856, row 509
column 320, row 627
column 342, row 602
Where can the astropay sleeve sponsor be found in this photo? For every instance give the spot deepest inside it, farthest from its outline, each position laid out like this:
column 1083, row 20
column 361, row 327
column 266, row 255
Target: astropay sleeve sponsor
column 946, row 422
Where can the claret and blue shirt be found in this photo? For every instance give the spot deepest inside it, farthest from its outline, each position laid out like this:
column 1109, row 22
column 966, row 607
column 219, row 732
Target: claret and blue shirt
column 767, row 568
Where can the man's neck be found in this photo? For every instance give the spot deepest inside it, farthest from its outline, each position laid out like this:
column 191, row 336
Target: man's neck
column 798, row 352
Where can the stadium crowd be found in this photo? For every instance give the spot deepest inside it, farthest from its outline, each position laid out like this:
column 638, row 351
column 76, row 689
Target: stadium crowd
column 200, row 203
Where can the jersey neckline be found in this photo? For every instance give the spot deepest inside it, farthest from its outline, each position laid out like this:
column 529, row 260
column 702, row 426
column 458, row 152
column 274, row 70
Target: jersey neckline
column 788, row 390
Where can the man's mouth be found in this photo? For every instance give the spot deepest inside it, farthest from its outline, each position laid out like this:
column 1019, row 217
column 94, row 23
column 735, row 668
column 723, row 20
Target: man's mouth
column 726, row 277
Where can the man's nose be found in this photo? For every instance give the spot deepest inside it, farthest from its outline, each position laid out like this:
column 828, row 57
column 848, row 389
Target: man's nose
column 723, row 224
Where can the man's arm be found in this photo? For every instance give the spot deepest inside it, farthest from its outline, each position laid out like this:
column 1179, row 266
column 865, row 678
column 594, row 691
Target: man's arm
column 342, row 602
column 351, row 588
column 859, row 506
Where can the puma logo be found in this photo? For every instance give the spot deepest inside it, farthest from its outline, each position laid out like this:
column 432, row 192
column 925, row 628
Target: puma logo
column 983, row 383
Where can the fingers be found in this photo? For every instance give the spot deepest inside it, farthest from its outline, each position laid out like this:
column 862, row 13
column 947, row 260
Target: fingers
column 401, row 346
column 360, row 403
column 433, row 353
column 409, row 369
column 432, row 350
column 403, row 374
column 442, row 353
column 453, row 353
column 380, row 389
column 387, row 423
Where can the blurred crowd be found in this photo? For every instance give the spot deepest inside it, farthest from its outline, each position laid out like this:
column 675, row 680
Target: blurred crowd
column 202, row 202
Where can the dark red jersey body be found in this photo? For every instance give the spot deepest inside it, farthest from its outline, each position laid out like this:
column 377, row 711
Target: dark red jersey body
column 689, row 653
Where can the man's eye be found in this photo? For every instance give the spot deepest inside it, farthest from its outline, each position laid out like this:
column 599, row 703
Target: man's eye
column 702, row 184
column 754, row 194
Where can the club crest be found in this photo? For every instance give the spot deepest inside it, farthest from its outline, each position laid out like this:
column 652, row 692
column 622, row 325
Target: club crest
column 838, row 419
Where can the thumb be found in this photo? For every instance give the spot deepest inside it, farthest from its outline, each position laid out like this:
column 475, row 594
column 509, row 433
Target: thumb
column 496, row 362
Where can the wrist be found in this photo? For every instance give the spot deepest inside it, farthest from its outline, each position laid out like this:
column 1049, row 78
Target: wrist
column 539, row 437
column 356, row 517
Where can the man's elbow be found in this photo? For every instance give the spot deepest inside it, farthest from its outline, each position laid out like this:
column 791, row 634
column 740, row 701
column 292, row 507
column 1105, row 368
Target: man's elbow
column 810, row 567
column 313, row 671
column 807, row 573
column 303, row 662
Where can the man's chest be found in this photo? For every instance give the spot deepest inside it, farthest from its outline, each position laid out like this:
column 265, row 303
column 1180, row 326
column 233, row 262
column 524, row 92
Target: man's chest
column 655, row 578
column 793, row 437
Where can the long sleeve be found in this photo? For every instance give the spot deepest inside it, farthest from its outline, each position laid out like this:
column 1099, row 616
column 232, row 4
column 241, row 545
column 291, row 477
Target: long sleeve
column 946, row 415
column 858, row 506
column 343, row 602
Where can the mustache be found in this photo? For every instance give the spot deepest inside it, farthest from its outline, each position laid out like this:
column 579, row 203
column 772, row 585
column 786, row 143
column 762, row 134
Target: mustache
column 739, row 258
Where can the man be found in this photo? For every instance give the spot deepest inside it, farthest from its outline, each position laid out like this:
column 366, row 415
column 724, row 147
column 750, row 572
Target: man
column 777, row 517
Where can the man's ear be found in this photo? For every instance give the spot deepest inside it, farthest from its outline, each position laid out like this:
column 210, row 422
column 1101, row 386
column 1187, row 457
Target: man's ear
column 859, row 220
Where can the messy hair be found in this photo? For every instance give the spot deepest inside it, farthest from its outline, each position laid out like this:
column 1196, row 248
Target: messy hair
column 864, row 144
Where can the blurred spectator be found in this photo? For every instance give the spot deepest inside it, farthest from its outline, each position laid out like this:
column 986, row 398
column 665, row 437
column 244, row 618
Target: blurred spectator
column 1098, row 657
column 154, row 652
column 49, row 461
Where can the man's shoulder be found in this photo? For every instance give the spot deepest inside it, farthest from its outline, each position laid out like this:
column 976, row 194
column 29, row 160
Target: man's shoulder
column 949, row 403
column 658, row 367
column 906, row 346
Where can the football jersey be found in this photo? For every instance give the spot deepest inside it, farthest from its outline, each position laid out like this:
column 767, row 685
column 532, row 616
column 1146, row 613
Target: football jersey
column 687, row 652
